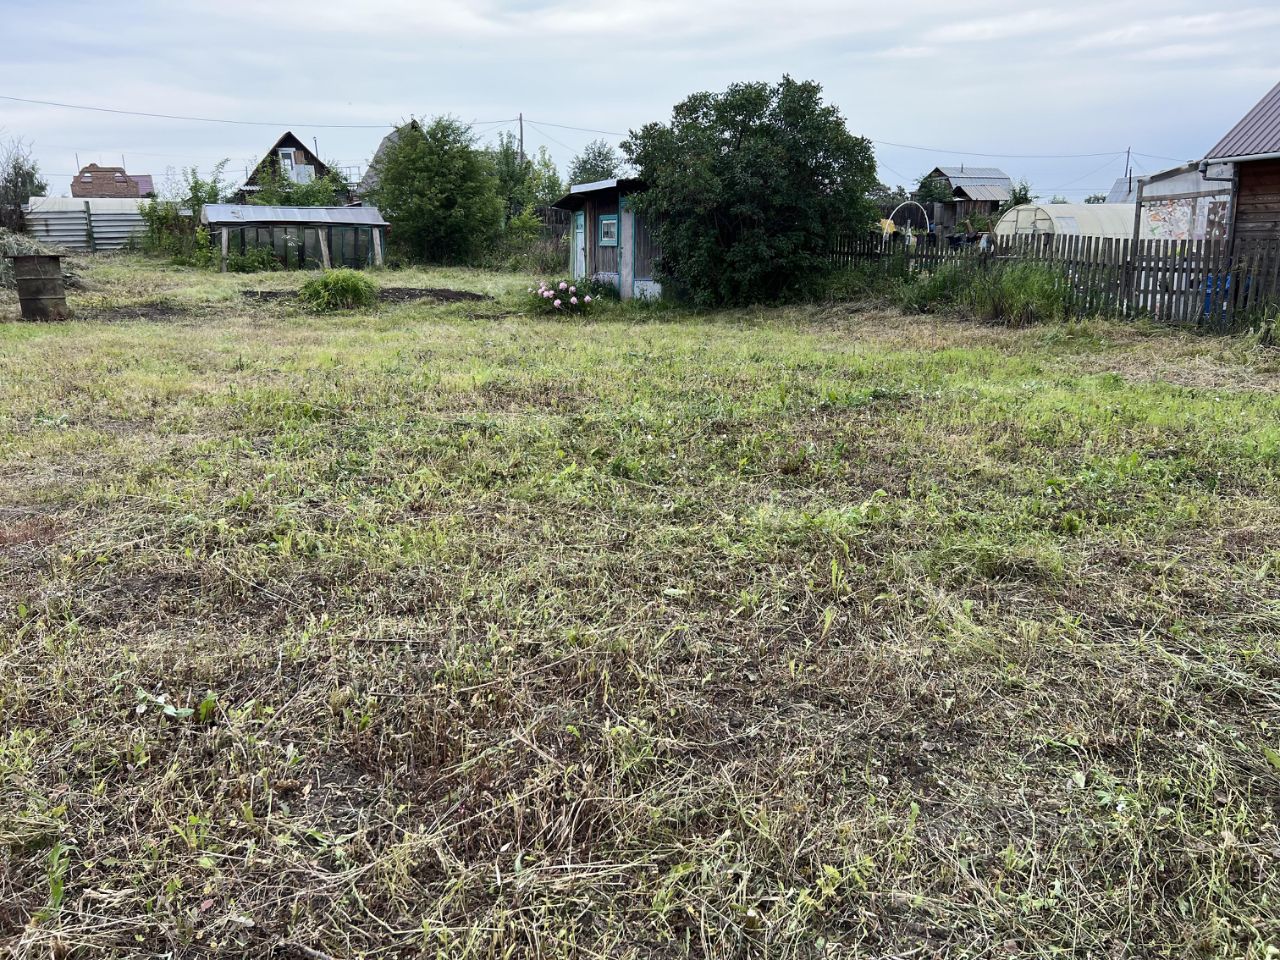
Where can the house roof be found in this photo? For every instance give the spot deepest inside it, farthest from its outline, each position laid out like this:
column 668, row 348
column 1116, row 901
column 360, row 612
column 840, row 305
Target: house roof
column 145, row 183
column 1257, row 133
column 287, row 140
column 982, row 191
column 1124, row 190
column 370, row 179
column 966, row 175
column 577, row 193
column 240, row 214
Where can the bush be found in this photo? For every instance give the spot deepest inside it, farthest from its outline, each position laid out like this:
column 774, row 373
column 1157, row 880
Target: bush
column 340, row 289
column 561, row 297
column 255, row 259
column 173, row 224
column 747, row 188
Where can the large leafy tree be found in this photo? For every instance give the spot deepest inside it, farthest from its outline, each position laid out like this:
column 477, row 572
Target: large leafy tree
column 545, row 184
column 438, row 191
column 597, row 161
column 20, row 180
column 749, row 189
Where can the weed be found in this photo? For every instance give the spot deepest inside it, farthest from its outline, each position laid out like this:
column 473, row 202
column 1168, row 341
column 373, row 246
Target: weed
column 340, row 289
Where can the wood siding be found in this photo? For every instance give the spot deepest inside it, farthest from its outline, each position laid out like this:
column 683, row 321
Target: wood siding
column 600, row 259
column 1258, row 201
column 646, row 250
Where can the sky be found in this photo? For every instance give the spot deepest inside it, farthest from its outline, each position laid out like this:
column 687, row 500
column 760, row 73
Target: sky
column 1050, row 92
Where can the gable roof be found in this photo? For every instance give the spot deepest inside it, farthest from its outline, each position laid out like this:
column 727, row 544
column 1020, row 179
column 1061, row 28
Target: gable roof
column 982, row 191
column 1257, row 133
column 965, row 176
column 288, row 140
column 370, row 179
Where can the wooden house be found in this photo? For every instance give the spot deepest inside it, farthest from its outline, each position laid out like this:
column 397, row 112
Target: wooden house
column 975, row 193
column 1252, row 147
column 369, row 182
column 291, row 157
column 608, row 240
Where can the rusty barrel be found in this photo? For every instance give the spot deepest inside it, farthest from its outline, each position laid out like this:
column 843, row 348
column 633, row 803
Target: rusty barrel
column 40, row 290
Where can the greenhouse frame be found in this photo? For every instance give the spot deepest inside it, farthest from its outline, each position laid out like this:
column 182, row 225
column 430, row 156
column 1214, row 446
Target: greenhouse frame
column 299, row 237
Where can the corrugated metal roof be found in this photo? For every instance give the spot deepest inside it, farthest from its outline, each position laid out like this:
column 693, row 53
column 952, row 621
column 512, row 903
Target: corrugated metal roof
column 1258, row 132
column 241, row 213
column 1124, row 190
column 992, row 176
column 983, row 191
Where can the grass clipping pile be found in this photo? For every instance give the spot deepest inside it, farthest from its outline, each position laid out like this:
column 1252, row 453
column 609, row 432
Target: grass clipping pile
column 739, row 635
column 20, row 245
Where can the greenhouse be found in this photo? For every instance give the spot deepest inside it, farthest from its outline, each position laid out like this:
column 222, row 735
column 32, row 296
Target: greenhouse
column 299, row 237
column 1113, row 220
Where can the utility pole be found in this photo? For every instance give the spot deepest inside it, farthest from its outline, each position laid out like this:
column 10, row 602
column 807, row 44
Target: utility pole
column 521, row 118
column 1128, row 171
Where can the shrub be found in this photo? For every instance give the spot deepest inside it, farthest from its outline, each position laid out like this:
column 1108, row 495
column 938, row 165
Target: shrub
column 173, row 224
column 747, row 189
column 561, row 297
column 255, row 259
column 341, row 289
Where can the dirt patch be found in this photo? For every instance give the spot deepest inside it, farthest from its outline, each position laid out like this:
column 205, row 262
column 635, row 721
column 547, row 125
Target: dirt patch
column 154, row 312
column 385, row 295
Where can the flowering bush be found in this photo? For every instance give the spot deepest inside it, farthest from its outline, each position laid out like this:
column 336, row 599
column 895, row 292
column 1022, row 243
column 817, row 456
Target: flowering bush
column 560, row 296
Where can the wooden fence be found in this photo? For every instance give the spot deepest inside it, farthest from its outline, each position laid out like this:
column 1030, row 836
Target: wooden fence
column 1196, row 282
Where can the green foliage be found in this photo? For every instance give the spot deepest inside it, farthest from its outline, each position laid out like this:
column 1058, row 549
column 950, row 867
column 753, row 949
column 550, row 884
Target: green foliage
column 173, row 227
column 439, row 193
column 545, row 185
column 1014, row 294
column 255, row 259
column 277, row 189
column 1096, row 198
column 933, row 190
column 524, row 247
column 20, row 180
column 597, row 161
column 340, row 289
column 1019, row 194
column 747, row 189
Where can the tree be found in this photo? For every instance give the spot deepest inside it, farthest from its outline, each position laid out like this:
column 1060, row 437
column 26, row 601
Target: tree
column 20, row 180
column 513, row 174
column 1058, row 198
column 1096, row 198
column 439, row 193
column 884, row 196
column 277, row 189
column 933, row 190
column 597, row 161
column 1019, row 194
column 749, row 188
column 545, row 184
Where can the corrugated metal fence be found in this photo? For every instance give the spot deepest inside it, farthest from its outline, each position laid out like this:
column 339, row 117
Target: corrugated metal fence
column 89, row 225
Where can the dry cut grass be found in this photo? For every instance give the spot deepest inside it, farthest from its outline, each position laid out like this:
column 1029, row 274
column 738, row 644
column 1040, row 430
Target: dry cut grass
column 446, row 631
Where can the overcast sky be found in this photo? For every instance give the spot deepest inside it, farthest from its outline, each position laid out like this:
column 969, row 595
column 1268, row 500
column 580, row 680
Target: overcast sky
column 1001, row 78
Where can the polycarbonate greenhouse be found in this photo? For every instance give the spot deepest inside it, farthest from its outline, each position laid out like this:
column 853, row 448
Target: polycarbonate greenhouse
column 300, row 237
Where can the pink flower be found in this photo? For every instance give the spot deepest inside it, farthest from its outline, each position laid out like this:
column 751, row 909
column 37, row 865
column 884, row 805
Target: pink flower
column 563, row 285
column 574, row 301
column 573, row 289
column 556, row 304
column 548, row 294
column 587, row 298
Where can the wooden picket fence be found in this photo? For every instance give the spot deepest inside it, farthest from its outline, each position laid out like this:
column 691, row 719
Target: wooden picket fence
column 1194, row 282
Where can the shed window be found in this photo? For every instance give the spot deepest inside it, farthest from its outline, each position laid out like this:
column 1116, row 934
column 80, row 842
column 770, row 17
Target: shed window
column 609, row 230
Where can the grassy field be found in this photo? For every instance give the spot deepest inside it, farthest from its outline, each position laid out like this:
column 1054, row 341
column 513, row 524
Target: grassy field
column 450, row 631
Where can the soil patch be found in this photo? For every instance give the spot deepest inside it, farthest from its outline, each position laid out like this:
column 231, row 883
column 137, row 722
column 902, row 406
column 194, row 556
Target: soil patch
column 385, row 295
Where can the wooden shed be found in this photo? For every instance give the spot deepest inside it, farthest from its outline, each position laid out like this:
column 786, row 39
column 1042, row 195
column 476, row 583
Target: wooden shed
column 1252, row 147
column 299, row 237
column 608, row 240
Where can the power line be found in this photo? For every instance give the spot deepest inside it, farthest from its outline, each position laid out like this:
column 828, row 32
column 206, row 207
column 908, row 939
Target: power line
column 1001, row 156
column 565, row 126
column 247, row 123
column 547, row 135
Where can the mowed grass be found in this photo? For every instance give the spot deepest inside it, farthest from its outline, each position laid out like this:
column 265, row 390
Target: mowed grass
column 451, row 631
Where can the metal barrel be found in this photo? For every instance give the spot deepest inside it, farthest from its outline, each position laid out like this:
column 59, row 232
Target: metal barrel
column 40, row 290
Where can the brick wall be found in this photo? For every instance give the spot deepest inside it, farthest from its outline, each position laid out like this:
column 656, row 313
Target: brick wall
column 96, row 181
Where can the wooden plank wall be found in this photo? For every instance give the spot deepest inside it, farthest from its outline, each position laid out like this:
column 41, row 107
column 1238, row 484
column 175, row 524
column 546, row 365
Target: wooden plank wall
column 1193, row 282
